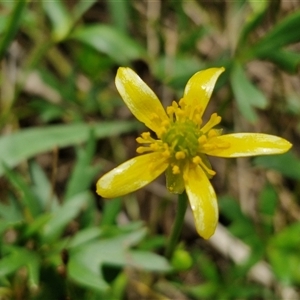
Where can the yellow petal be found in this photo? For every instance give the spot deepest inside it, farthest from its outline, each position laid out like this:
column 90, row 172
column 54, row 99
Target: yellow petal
column 200, row 87
column 131, row 175
column 140, row 99
column 248, row 144
column 203, row 201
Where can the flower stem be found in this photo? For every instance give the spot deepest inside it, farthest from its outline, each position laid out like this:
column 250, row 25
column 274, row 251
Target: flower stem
column 177, row 226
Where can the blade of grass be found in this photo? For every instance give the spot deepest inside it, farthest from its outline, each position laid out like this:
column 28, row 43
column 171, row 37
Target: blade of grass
column 22, row 145
column 12, row 26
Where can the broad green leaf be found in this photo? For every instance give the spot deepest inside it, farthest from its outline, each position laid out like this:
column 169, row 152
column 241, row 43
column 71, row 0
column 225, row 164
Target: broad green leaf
column 83, row 275
column 90, row 257
column 246, row 94
column 149, row 261
column 26, row 143
column 63, row 215
column 12, row 25
column 268, row 200
column 283, row 251
column 109, row 40
column 84, row 236
column 287, row 164
column 59, row 17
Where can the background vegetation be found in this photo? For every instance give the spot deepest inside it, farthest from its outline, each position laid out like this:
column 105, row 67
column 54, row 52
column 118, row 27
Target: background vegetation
column 63, row 124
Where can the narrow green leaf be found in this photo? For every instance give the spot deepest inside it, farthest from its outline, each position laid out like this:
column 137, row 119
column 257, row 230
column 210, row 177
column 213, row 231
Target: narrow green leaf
column 246, row 94
column 28, row 199
column 109, row 40
column 33, row 266
column 42, row 187
column 12, row 26
column 119, row 11
column 252, row 22
column 110, row 211
column 64, row 215
column 284, row 33
column 81, row 7
column 11, row 211
column 287, row 60
column 24, row 144
column 59, row 17
column 83, row 173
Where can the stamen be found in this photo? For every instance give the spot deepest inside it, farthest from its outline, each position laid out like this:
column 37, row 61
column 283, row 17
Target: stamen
column 145, row 135
column 175, row 170
column 142, row 149
column 213, row 121
column 197, row 160
column 202, row 140
column 180, row 155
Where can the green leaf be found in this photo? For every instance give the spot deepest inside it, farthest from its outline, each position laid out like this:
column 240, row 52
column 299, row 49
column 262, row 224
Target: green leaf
column 119, row 11
column 176, row 71
column 12, row 26
column 59, row 17
column 24, row 144
column 287, row 164
column 90, row 257
column 81, row 7
column 82, row 174
column 42, row 187
column 83, row 275
column 84, row 236
column 283, row 251
column 30, row 203
column 149, row 261
column 246, row 94
column 260, row 11
column 15, row 259
column 284, row 33
column 287, row 60
column 110, row 211
column 109, row 40
column 63, row 216
column 11, row 211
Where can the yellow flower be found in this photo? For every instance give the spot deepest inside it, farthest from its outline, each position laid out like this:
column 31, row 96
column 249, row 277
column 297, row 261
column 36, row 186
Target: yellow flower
column 181, row 144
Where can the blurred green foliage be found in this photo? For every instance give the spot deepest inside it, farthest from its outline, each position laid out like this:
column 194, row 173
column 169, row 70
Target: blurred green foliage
column 63, row 124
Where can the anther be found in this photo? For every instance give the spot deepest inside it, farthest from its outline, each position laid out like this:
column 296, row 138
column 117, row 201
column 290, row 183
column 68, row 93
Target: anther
column 145, row 135
column 142, row 149
column 213, row 121
column 175, row 170
column 202, row 139
column 180, row 155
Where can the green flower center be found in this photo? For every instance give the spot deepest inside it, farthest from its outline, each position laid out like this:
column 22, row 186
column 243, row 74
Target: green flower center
column 182, row 137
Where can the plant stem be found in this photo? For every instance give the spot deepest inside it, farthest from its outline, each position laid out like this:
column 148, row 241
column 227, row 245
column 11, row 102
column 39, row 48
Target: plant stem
column 177, row 226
